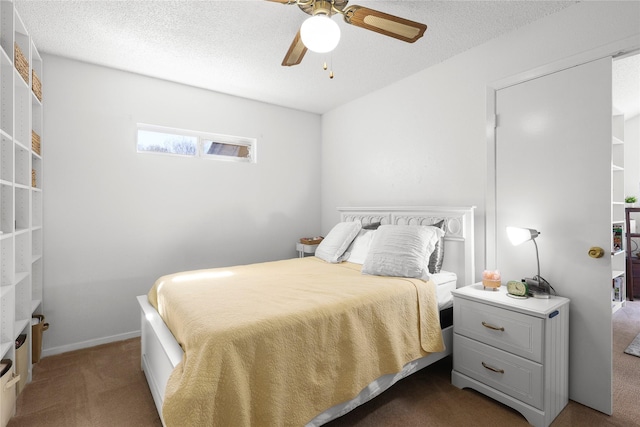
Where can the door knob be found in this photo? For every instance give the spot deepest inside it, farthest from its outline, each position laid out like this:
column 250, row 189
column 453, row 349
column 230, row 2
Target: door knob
column 596, row 252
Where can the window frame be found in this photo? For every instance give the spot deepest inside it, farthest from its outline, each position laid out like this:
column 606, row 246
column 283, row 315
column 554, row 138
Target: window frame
column 168, row 131
column 229, row 140
column 201, row 139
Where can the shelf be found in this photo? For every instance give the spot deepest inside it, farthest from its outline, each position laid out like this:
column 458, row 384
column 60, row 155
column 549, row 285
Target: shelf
column 5, row 347
column 21, row 145
column 20, row 325
column 21, row 231
column 616, row 305
column 6, row 160
column 4, row 290
column 618, row 258
column 35, row 99
column 20, row 277
column 19, row 81
column 21, row 213
column 4, row 57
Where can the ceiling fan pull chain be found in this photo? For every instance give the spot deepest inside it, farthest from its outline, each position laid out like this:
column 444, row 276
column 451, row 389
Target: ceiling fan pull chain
column 325, row 67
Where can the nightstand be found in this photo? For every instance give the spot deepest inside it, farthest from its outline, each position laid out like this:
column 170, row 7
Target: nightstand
column 305, row 249
column 515, row 351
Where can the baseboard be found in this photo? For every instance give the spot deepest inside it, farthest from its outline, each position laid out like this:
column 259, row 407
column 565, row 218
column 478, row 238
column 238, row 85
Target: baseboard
column 89, row 343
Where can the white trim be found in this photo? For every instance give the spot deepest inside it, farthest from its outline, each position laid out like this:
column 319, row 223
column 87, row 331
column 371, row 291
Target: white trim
column 490, row 255
column 89, row 343
column 618, row 48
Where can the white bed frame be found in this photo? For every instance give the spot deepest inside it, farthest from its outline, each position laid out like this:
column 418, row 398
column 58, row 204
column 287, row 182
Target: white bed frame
column 161, row 352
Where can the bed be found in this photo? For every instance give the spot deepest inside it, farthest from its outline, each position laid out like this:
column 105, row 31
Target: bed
column 245, row 366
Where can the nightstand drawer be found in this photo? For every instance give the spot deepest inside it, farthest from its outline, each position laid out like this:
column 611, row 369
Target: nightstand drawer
column 513, row 375
column 507, row 330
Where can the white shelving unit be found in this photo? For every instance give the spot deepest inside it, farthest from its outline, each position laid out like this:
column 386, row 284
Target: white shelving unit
column 21, row 168
column 618, row 256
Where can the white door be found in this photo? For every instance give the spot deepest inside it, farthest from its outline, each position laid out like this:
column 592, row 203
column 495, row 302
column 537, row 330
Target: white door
column 553, row 174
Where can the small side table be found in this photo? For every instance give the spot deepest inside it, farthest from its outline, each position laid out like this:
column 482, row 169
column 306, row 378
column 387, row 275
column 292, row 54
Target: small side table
column 305, row 249
column 512, row 350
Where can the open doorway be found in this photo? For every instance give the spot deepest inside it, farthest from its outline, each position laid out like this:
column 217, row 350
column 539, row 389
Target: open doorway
column 626, row 99
column 626, row 102
column 626, row 322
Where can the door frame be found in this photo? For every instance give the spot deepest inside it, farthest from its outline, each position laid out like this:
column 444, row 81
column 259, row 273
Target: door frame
column 616, row 49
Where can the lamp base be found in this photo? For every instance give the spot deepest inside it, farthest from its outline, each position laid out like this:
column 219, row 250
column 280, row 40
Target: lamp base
column 536, row 289
column 540, row 295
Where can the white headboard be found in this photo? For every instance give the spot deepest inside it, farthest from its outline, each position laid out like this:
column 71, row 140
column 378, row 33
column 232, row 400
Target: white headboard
column 459, row 244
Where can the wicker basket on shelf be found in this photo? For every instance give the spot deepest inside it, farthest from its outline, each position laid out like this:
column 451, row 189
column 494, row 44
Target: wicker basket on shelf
column 21, row 63
column 33, row 178
column 35, row 142
column 36, row 85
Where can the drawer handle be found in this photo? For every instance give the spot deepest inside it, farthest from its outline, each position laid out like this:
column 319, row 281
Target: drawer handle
column 491, row 368
column 495, row 328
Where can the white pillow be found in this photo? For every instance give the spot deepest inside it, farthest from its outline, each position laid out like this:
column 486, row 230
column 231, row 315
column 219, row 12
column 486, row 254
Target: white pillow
column 333, row 247
column 359, row 249
column 401, row 251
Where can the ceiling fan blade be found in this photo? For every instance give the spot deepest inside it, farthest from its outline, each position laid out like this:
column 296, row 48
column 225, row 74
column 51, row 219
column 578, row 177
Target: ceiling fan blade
column 383, row 23
column 295, row 53
column 283, row 1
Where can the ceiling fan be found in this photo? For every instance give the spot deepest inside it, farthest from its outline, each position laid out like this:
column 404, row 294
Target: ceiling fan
column 369, row 19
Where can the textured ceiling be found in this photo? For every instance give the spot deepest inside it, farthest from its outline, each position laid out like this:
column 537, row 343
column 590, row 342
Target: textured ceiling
column 236, row 47
column 626, row 85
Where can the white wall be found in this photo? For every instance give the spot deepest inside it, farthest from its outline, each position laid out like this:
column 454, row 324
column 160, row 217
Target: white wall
column 632, row 166
column 116, row 220
column 632, row 157
column 422, row 141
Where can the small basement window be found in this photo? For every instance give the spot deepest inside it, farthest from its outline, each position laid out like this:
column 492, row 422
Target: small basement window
column 164, row 140
column 150, row 141
column 223, row 150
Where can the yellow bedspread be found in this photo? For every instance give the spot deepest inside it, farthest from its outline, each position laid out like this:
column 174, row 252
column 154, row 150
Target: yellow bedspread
column 276, row 343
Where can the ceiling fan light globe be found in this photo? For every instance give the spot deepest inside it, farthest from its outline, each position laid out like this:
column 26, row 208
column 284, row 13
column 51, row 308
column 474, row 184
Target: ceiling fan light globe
column 320, row 34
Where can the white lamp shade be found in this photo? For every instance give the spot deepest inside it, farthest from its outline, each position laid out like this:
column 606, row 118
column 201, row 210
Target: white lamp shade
column 320, row 33
column 519, row 235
